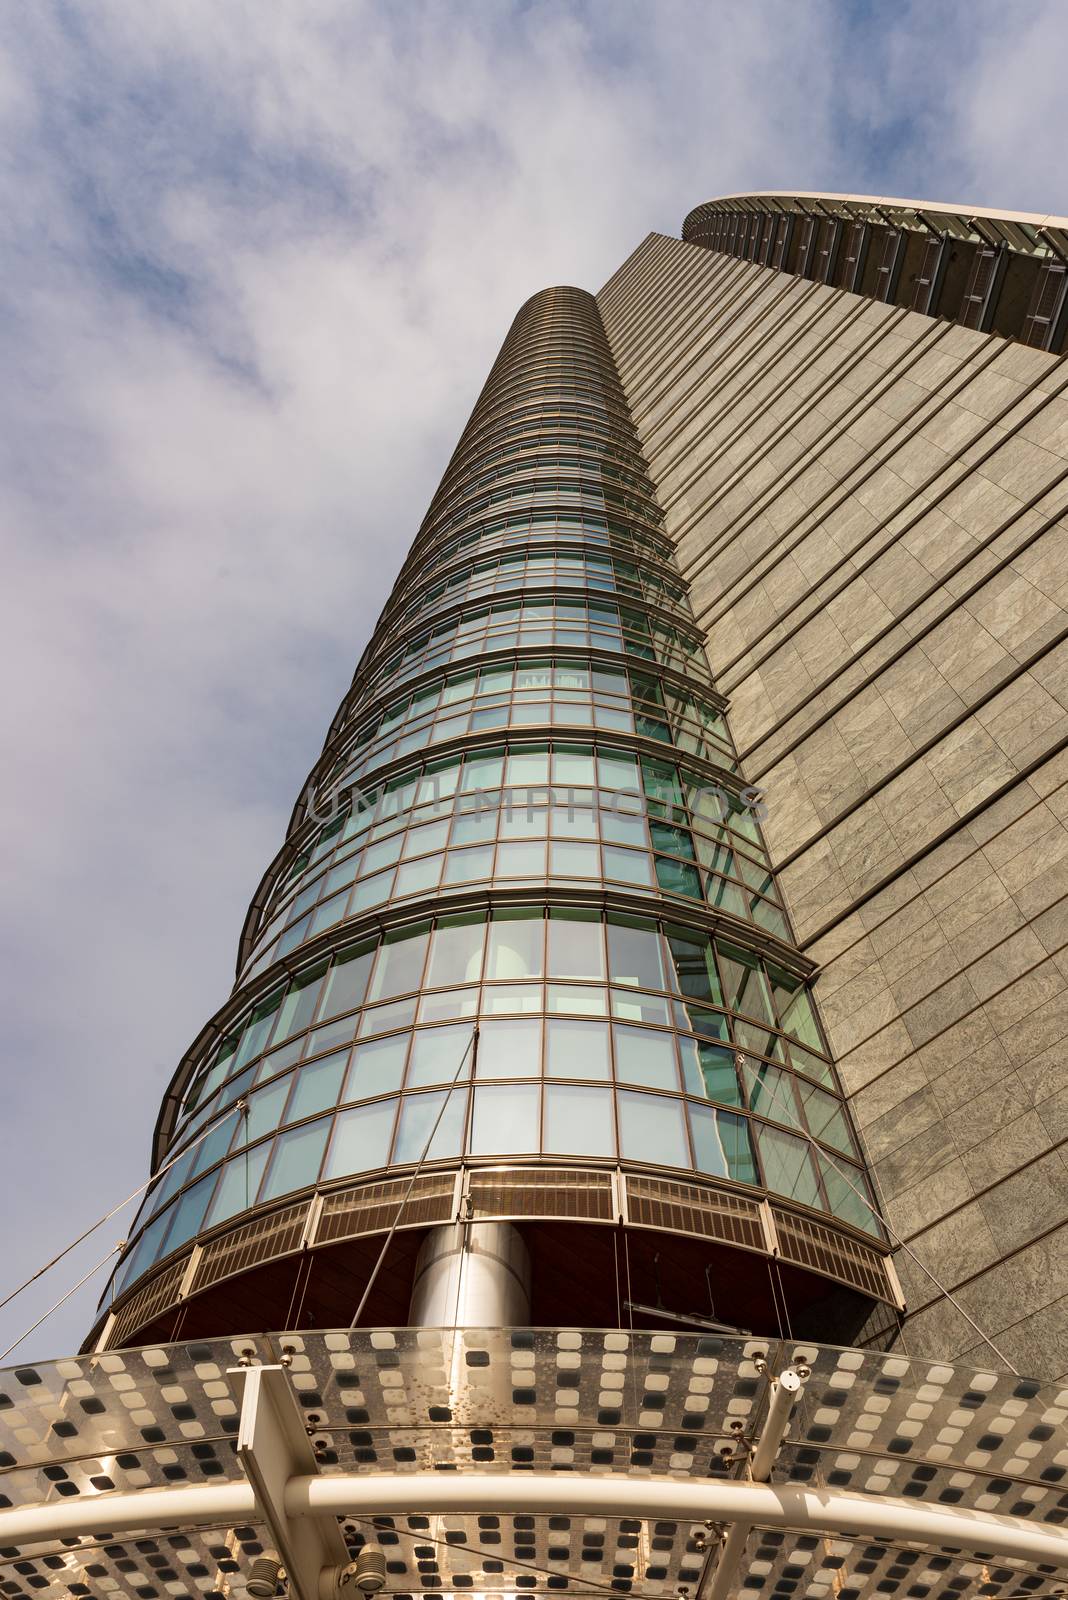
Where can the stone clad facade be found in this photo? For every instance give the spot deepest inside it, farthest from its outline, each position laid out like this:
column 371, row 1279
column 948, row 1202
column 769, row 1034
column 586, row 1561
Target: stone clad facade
column 869, row 506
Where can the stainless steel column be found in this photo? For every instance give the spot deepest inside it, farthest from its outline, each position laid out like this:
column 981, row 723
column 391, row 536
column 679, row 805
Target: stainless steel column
column 473, row 1275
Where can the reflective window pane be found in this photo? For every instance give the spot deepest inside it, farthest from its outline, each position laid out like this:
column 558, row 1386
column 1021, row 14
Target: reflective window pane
column 456, row 952
column 377, row 1067
column 578, row 1120
column 317, row 1087
column 515, row 946
column 645, row 1056
column 505, row 1119
column 788, row 1168
column 634, row 954
column 576, row 1049
column 509, row 1049
column 651, row 1128
column 360, row 1141
column 296, row 1158
column 575, row 946
column 439, row 1054
column 399, row 968
column 419, row 1112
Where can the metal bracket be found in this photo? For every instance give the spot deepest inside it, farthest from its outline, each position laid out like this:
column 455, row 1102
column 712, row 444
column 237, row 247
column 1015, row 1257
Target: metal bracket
column 721, row 1568
column 272, row 1447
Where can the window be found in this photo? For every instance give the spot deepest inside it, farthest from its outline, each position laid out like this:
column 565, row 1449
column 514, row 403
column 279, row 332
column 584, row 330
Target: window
column 264, row 1111
column 651, row 1129
column 361, row 1139
column 299, row 1004
column 575, row 945
column 746, row 986
column 296, row 1158
column 788, row 1168
column 646, row 1057
column 437, row 1054
column 694, row 965
column 509, row 1049
column 238, row 1185
column 515, row 945
column 578, row 1120
column 317, row 1087
column 505, row 1119
column 634, row 955
column 576, row 1049
column 399, row 968
column 377, row 1067
column 721, row 1144
column 456, row 952
column 419, row 1113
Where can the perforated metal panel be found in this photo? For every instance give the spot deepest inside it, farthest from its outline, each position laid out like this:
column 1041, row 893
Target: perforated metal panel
column 561, row 1400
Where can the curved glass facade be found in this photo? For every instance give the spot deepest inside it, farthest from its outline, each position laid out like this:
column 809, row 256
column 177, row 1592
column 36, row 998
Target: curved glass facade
column 528, row 813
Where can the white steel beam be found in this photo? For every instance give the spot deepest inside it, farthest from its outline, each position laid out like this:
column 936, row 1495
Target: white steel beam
column 273, row 1448
column 369, row 1494
column 782, row 1396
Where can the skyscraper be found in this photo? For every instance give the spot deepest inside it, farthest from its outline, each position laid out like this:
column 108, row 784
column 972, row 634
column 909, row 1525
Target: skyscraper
column 666, row 943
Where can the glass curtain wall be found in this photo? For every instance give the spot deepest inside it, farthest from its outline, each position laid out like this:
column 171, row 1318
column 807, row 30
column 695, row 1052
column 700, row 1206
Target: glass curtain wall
column 528, row 812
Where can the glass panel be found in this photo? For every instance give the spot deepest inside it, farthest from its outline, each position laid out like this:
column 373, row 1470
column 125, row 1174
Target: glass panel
column 437, row 1054
column 456, row 952
column 502, row 1001
column 265, row 1110
column 215, row 1145
column 708, row 1071
column 575, row 945
column 794, row 1005
column 849, row 1196
column 418, row 1114
column 824, row 1117
column 515, row 946
column 377, row 1067
column 238, row 1185
column 297, row 1155
column 509, row 1049
column 651, row 1129
column 627, row 866
column 576, row 1049
column 771, row 1092
column 415, row 877
column 634, row 954
column 634, row 1005
column 721, row 1144
column 746, row 986
column 399, row 968
column 646, row 1057
column 788, row 1166
column 318, row 1087
column 361, row 1139
column 505, row 1120
column 189, row 1212
column 299, row 1004
column 694, row 965
column 578, row 1120
column 574, row 860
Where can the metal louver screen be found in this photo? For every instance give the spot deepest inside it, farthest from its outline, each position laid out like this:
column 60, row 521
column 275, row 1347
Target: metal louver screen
column 259, row 1240
column 686, row 1208
column 807, row 1243
column 372, row 1207
column 542, row 1192
column 148, row 1302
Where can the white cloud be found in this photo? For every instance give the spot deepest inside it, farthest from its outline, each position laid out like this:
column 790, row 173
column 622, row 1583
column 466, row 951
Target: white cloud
column 256, row 263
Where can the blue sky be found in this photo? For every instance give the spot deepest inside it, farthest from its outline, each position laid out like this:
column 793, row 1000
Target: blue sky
column 255, row 261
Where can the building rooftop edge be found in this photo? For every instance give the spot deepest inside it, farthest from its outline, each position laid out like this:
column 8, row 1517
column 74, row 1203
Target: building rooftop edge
column 1031, row 218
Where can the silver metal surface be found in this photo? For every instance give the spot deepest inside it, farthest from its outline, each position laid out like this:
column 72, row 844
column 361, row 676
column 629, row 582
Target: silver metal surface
column 472, row 1275
column 617, row 1430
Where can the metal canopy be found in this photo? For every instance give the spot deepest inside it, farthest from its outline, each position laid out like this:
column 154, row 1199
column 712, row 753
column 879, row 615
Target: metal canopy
column 502, row 1460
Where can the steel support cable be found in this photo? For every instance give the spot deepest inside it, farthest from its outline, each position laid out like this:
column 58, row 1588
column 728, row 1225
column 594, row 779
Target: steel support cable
column 63, row 1299
column 149, row 1181
column 805, row 1134
column 412, row 1181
